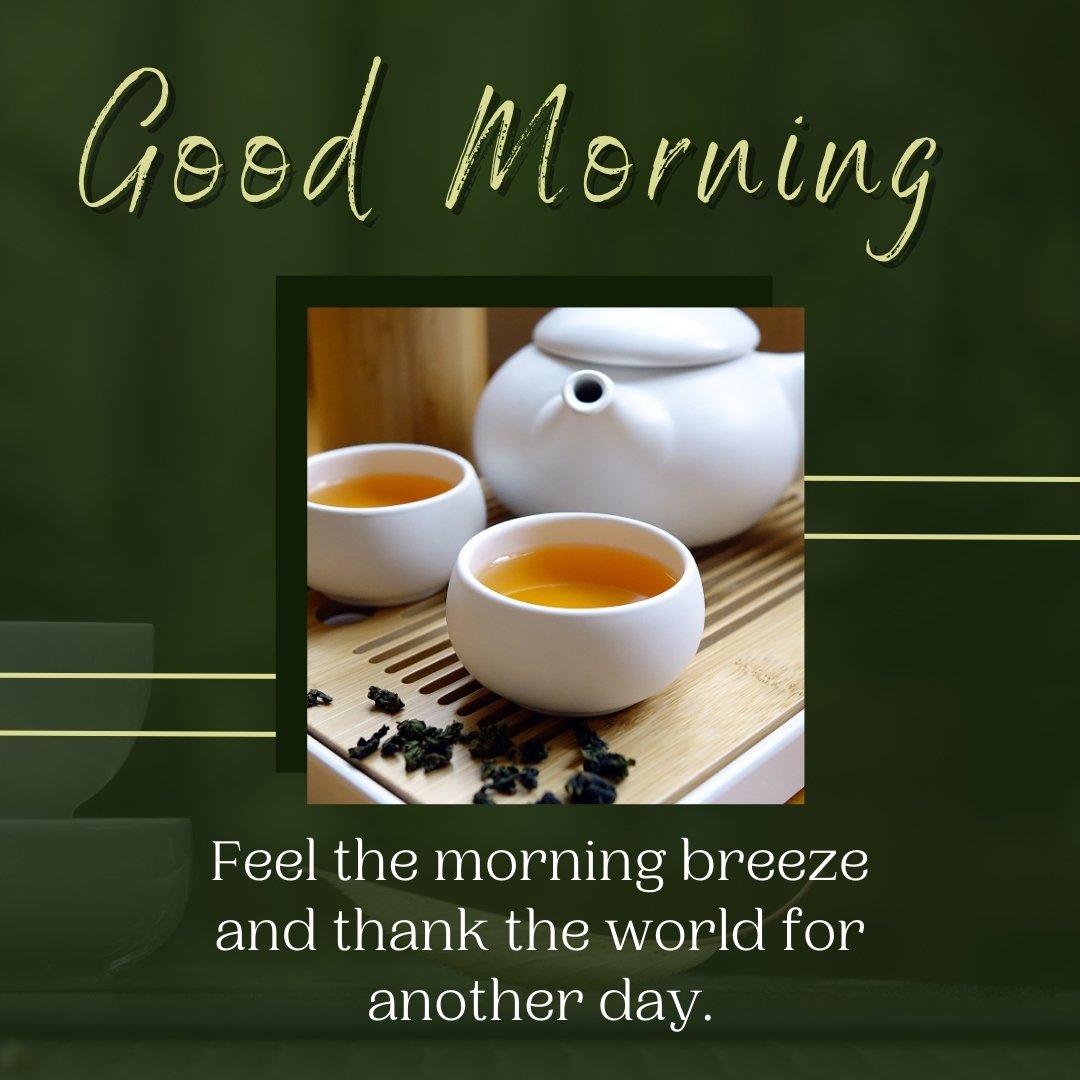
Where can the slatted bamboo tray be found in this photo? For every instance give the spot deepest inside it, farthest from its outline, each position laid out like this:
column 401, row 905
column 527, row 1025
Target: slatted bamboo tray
column 745, row 681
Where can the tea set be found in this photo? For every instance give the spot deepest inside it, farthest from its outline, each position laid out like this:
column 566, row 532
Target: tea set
column 644, row 430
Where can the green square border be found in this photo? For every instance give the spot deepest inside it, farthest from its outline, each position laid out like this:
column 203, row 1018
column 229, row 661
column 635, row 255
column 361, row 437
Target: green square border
column 293, row 298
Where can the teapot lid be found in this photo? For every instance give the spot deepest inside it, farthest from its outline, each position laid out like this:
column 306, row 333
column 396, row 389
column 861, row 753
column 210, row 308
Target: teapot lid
column 647, row 336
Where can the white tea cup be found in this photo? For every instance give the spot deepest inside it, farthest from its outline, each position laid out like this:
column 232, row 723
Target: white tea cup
column 583, row 661
column 385, row 555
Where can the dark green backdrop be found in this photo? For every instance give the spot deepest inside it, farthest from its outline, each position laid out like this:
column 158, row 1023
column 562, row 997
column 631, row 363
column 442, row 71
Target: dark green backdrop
column 137, row 432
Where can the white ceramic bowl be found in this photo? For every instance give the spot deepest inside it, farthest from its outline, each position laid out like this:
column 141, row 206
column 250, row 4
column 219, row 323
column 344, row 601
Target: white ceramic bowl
column 50, row 776
column 390, row 554
column 574, row 661
column 87, row 897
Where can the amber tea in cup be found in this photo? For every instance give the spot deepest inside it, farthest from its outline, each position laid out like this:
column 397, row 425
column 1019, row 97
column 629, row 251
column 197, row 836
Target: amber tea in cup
column 387, row 520
column 574, row 614
column 379, row 489
column 577, row 576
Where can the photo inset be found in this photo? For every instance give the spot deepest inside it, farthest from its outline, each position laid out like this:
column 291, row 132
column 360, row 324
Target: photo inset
column 555, row 555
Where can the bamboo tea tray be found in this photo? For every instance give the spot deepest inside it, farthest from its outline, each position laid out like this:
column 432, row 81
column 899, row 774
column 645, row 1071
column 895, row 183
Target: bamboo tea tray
column 743, row 689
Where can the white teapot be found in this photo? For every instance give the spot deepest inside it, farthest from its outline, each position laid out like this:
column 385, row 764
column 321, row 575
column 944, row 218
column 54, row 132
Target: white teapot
column 668, row 415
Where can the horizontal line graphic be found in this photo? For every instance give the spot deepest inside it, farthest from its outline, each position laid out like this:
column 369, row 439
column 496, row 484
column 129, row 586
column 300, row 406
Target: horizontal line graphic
column 77, row 734
column 133, row 675
column 942, row 536
column 944, row 479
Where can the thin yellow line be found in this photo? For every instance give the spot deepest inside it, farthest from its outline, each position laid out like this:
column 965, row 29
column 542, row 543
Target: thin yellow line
column 942, row 536
column 947, row 479
column 46, row 733
column 131, row 675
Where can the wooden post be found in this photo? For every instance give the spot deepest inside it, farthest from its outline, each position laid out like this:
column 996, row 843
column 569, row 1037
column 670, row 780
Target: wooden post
column 395, row 375
column 782, row 329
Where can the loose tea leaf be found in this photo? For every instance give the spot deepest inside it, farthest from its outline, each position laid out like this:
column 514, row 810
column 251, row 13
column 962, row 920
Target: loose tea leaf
column 584, row 787
column 423, row 747
column 533, row 751
column 366, row 747
column 505, row 778
column 407, row 731
column 587, row 739
column 598, row 758
column 386, row 700
column 605, row 763
column 490, row 742
column 483, row 797
column 500, row 778
column 317, row 697
column 548, row 799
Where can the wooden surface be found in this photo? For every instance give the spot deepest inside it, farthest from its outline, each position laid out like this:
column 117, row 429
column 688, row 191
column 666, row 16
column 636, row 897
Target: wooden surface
column 782, row 329
column 745, row 681
column 395, row 375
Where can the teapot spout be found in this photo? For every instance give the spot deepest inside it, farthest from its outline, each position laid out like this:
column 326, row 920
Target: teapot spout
column 787, row 369
column 588, row 391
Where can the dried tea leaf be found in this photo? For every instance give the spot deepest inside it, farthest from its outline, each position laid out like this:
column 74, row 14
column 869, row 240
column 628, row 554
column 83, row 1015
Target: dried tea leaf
column 386, row 700
column 598, row 758
column 505, row 778
column 587, row 739
column 607, row 764
column 584, row 787
column 423, row 747
column 533, row 751
column 490, row 742
column 500, row 778
column 366, row 747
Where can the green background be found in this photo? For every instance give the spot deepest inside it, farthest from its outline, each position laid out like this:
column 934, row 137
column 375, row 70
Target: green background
column 141, row 463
